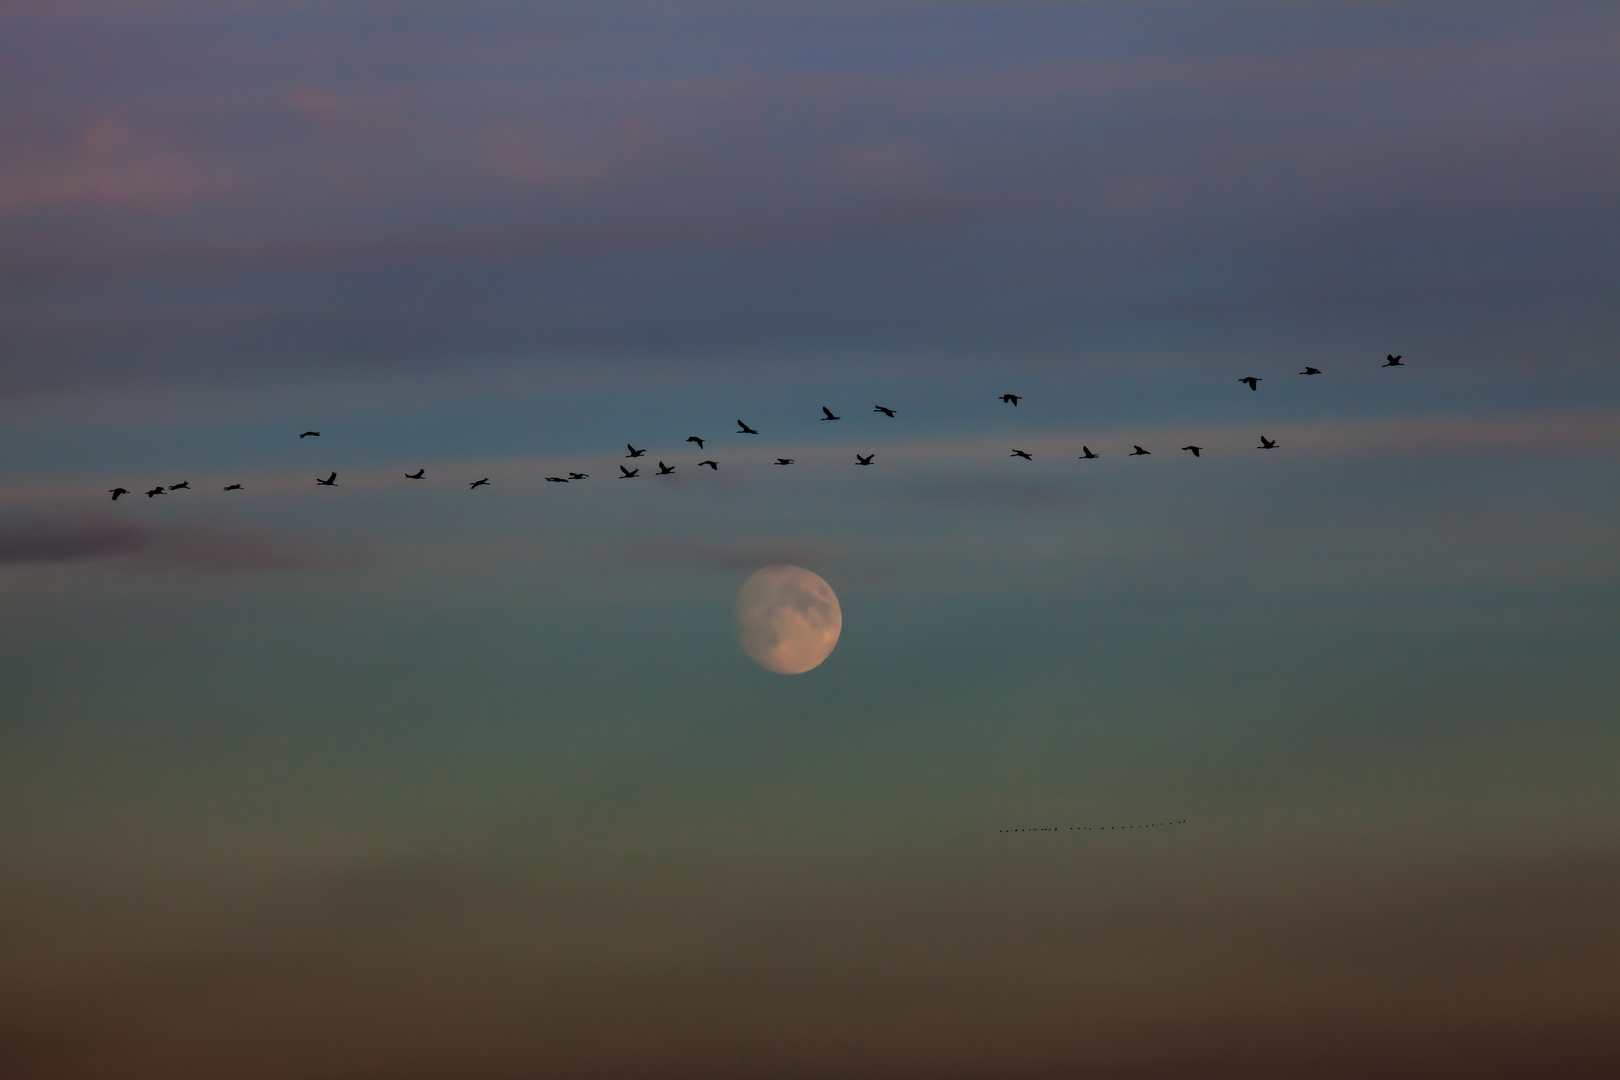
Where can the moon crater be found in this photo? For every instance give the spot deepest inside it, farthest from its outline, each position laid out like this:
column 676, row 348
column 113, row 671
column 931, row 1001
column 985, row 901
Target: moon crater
column 788, row 619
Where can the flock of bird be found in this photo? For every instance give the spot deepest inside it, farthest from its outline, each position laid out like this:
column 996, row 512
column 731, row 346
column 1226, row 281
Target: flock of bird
column 627, row 473
column 1095, row 828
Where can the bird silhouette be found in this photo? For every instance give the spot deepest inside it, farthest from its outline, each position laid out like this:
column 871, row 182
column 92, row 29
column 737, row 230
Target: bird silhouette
column 629, row 474
column 1022, row 454
column 117, row 492
column 785, row 460
column 478, row 483
column 580, row 475
column 694, row 438
column 307, row 434
column 1267, row 444
column 633, row 451
column 885, row 411
column 744, row 429
column 1254, row 383
column 1086, row 453
column 1138, row 452
column 713, row 465
column 184, row 485
column 867, row 460
column 155, row 491
column 829, row 413
column 1014, row 398
column 665, row 470
column 1311, row 371
column 417, row 475
column 330, row 481
column 233, row 487
column 1195, row 450
column 556, row 480
column 1393, row 361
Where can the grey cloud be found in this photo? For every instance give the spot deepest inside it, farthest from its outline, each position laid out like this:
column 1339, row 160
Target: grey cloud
column 666, row 182
column 69, row 541
column 194, row 547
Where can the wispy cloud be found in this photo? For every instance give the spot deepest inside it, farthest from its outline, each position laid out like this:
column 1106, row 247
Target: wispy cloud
column 196, row 547
column 108, row 166
column 70, row 541
column 1013, row 174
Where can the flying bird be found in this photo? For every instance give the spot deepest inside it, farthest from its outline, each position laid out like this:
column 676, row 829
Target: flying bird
column 1254, row 383
column 665, row 470
column 1267, row 444
column 694, row 438
column 714, row 465
column 417, row 475
column 184, row 485
column 1138, row 452
column 633, row 451
column 1311, row 371
column 885, row 411
column 1087, row 454
column 744, row 429
column 155, row 491
column 1022, row 454
column 117, row 492
column 581, row 475
column 1195, row 450
column 1393, row 361
column 784, row 461
column 307, row 434
column 629, row 474
column 478, row 483
column 867, row 460
column 829, row 413
column 330, row 481
column 1014, row 398
column 233, row 487
column 556, row 480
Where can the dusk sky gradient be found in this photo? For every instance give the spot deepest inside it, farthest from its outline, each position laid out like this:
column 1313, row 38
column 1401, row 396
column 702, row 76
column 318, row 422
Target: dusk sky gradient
column 401, row 779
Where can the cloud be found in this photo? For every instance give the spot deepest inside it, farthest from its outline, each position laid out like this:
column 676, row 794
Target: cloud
column 108, row 167
column 70, row 541
column 197, row 547
column 544, row 178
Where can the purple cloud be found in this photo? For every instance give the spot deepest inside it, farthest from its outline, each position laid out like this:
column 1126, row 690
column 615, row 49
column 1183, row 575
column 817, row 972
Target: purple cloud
column 197, row 547
column 69, row 541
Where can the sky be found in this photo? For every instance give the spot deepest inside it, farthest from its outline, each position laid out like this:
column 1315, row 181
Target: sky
column 1256, row 763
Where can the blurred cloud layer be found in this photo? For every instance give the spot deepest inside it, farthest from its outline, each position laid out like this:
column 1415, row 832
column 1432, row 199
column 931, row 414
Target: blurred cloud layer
column 402, row 778
column 242, row 188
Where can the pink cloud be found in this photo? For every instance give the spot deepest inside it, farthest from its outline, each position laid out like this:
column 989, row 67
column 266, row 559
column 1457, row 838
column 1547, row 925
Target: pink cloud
column 109, row 167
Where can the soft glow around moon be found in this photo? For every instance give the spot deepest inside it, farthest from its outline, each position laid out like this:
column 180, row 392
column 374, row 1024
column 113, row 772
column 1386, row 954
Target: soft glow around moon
column 788, row 619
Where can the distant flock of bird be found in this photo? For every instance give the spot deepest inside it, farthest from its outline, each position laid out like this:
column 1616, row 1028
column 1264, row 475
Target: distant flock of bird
column 627, row 473
column 1095, row 828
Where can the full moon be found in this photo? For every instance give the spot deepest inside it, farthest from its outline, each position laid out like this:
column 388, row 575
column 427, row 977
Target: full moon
column 788, row 619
